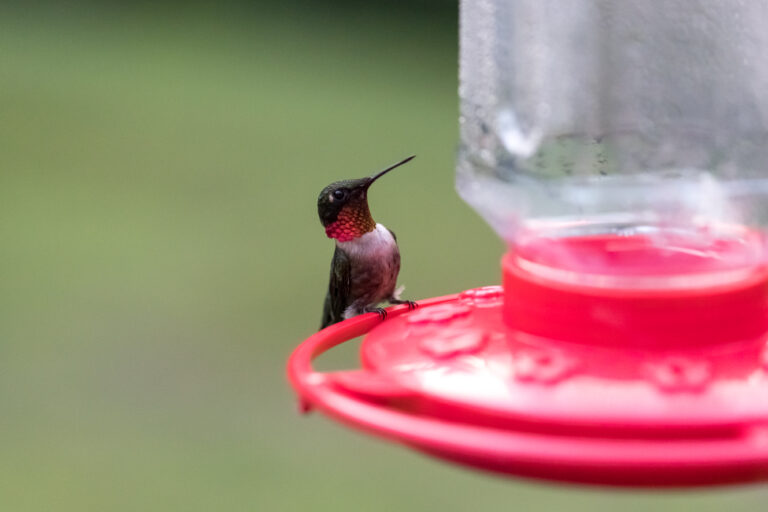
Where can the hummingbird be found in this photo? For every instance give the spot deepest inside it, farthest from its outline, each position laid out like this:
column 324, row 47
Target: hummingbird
column 366, row 260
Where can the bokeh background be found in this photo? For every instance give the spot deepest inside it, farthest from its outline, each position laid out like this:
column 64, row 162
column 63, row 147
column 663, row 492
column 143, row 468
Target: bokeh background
column 160, row 253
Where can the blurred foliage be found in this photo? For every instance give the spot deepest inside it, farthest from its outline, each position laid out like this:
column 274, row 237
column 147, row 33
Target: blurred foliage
column 161, row 253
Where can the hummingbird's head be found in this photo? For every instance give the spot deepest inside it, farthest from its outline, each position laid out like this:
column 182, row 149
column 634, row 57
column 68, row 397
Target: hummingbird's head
column 343, row 206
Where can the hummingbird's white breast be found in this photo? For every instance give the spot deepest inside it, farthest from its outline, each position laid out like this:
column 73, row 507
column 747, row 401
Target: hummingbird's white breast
column 373, row 244
column 375, row 263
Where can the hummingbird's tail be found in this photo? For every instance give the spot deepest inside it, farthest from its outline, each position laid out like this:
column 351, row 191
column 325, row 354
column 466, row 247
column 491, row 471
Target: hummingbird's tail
column 327, row 315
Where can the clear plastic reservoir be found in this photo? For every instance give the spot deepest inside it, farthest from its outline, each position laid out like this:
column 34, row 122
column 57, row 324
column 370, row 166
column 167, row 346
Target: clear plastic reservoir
column 596, row 132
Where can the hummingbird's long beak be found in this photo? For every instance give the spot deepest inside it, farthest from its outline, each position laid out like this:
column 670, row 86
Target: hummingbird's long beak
column 385, row 171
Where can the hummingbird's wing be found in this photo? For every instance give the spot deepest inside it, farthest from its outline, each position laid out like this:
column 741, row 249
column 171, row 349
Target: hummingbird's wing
column 396, row 254
column 394, row 293
column 339, row 287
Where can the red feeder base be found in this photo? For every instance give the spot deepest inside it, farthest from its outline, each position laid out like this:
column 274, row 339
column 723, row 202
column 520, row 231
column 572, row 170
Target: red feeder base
column 605, row 382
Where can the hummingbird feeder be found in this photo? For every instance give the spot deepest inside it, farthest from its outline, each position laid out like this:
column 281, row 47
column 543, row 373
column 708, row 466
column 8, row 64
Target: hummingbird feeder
column 621, row 151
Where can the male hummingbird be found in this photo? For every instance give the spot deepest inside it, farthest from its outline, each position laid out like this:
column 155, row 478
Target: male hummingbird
column 366, row 260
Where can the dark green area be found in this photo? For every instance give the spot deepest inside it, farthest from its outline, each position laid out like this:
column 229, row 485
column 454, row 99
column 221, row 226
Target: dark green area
column 161, row 254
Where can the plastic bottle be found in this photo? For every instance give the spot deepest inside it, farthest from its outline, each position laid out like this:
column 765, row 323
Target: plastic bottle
column 595, row 134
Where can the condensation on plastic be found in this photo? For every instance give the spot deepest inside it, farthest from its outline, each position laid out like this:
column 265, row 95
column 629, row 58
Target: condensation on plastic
column 599, row 116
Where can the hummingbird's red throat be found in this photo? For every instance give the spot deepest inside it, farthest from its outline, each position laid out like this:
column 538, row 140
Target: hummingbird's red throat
column 352, row 222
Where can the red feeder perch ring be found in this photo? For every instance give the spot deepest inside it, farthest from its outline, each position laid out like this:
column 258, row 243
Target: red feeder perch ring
column 656, row 380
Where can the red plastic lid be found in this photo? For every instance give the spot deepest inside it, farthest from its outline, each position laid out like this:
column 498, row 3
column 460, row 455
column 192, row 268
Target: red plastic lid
column 596, row 381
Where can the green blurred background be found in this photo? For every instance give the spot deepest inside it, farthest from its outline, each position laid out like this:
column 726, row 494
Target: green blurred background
column 161, row 254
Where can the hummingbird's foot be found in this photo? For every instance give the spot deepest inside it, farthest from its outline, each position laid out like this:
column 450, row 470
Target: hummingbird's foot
column 411, row 304
column 379, row 311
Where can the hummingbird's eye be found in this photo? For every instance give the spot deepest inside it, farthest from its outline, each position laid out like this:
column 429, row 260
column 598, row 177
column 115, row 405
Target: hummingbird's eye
column 339, row 194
